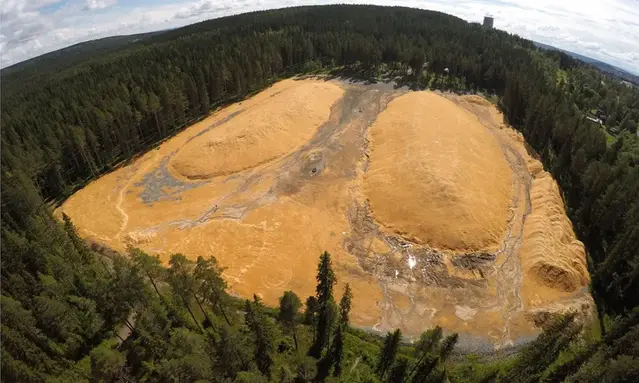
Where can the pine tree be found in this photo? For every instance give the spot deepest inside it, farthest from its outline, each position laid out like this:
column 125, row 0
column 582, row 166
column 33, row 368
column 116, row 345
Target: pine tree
column 203, row 96
column 310, row 310
column 428, row 341
column 180, row 277
column 345, row 305
column 289, row 306
column 398, row 371
column 338, row 350
column 324, row 293
column 211, row 286
column 424, row 369
column 387, row 357
column 537, row 355
column 260, row 327
column 337, row 346
column 447, row 346
column 151, row 266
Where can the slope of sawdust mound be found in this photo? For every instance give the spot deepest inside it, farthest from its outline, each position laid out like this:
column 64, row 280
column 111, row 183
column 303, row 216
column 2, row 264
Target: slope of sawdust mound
column 550, row 254
column 260, row 134
column 437, row 175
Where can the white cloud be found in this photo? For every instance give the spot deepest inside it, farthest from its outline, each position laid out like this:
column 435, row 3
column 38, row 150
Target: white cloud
column 203, row 7
column 98, row 4
column 607, row 30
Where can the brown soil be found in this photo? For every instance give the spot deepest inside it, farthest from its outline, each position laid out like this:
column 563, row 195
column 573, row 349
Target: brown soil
column 463, row 230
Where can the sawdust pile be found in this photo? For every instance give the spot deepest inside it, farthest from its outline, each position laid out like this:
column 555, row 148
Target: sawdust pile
column 443, row 173
column 274, row 127
column 550, row 252
column 436, row 174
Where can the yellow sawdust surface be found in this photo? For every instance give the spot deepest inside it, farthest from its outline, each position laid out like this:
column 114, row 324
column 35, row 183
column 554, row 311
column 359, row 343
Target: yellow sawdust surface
column 551, row 255
column 270, row 188
column 262, row 133
column 269, row 242
column 436, row 174
column 553, row 260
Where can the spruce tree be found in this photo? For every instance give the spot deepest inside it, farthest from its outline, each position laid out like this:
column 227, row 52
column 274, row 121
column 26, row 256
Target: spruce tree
column 310, row 310
column 180, row 277
column 337, row 350
column 289, row 306
column 387, row 356
column 447, row 346
column 424, row 368
column 398, row 371
column 262, row 331
column 211, row 286
column 345, row 305
column 337, row 346
column 324, row 292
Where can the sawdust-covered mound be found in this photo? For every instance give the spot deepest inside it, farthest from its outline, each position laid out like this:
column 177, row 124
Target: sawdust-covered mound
column 437, row 175
column 263, row 132
column 551, row 254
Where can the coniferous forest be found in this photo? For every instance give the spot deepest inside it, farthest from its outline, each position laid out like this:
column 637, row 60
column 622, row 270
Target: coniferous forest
column 70, row 313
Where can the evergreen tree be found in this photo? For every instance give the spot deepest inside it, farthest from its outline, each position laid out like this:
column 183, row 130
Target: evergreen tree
column 289, row 306
column 387, row 357
column 424, row 369
column 180, row 277
column 211, row 287
column 345, row 306
column 262, row 332
column 337, row 350
column 310, row 310
column 324, row 293
column 447, row 346
column 337, row 346
column 398, row 371
column 428, row 341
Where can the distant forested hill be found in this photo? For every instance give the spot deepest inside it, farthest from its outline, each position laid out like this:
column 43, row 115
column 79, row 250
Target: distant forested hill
column 68, row 118
column 42, row 67
column 605, row 67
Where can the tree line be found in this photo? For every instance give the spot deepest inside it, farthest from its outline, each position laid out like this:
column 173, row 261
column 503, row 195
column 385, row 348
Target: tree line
column 61, row 302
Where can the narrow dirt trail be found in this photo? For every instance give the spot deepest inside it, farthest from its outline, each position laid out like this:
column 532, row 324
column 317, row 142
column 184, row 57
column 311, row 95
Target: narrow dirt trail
column 118, row 204
column 509, row 274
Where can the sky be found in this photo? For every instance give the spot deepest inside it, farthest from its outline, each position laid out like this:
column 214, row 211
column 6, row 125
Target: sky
column 607, row 30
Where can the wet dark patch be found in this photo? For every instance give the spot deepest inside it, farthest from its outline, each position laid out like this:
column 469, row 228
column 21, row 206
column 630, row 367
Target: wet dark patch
column 314, row 164
column 160, row 185
column 480, row 262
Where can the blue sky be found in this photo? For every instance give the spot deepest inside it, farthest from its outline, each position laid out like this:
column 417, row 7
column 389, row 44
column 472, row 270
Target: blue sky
column 607, row 30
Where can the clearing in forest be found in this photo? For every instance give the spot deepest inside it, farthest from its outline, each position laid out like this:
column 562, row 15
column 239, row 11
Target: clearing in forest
column 433, row 209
